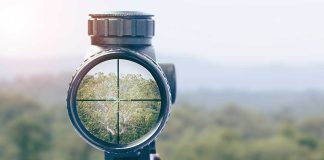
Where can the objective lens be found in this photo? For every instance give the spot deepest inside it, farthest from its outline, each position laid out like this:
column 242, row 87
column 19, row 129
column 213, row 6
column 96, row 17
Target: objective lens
column 118, row 101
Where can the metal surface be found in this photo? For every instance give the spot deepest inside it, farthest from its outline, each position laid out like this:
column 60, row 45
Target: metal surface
column 159, row 77
column 95, row 40
column 143, row 154
column 147, row 50
column 123, row 14
column 170, row 72
column 129, row 32
column 121, row 28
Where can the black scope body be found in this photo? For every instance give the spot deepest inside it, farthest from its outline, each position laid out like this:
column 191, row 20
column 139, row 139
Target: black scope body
column 129, row 29
column 121, row 37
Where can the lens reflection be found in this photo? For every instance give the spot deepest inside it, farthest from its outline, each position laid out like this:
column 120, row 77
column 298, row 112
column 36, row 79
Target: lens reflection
column 118, row 101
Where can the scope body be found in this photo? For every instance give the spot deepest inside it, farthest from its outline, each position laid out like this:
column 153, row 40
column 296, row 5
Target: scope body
column 119, row 99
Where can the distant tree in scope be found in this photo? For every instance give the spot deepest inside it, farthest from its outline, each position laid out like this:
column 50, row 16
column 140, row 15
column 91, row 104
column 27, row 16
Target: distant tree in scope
column 108, row 97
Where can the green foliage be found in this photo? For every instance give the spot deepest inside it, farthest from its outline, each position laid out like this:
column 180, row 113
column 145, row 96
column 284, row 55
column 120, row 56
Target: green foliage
column 137, row 119
column 135, row 86
column 233, row 133
column 30, row 131
column 99, row 118
column 99, row 86
column 116, row 121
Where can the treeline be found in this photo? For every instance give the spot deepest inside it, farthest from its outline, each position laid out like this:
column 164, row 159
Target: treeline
column 32, row 131
column 234, row 133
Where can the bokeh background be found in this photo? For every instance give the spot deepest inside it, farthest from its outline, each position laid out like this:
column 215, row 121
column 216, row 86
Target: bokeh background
column 250, row 77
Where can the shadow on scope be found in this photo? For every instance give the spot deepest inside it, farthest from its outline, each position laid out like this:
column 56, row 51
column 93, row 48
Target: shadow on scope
column 118, row 101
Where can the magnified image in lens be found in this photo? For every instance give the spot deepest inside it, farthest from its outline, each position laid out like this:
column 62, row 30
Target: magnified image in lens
column 118, row 101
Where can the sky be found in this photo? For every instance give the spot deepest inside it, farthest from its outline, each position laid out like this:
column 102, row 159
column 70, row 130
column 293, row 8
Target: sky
column 228, row 32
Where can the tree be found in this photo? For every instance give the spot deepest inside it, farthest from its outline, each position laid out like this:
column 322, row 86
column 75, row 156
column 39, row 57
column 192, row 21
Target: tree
column 114, row 111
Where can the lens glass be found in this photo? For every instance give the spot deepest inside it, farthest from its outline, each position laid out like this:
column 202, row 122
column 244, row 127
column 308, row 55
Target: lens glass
column 118, row 101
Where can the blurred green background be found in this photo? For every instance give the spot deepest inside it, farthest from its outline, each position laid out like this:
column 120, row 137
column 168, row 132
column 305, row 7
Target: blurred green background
column 250, row 77
column 35, row 125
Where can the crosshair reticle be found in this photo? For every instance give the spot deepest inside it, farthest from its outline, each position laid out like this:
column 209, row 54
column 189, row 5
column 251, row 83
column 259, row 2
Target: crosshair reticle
column 118, row 101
